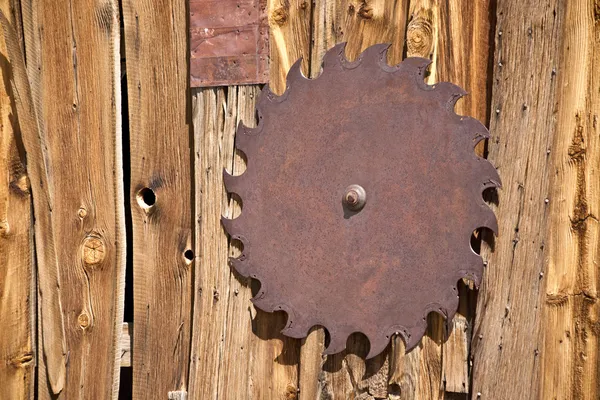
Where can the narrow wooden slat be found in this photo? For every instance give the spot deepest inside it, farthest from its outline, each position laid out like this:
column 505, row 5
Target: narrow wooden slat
column 289, row 39
column 232, row 342
column 17, row 280
column 531, row 92
column 49, row 307
column 211, row 244
column 462, row 57
column 161, row 194
column 569, row 356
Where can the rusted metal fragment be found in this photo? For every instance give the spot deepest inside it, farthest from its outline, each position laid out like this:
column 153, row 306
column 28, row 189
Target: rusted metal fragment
column 229, row 42
column 380, row 267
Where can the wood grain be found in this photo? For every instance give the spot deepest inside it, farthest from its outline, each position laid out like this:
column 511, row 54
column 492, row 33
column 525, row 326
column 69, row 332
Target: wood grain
column 237, row 345
column 462, row 57
column 161, row 194
column 569, row 356
column 289, row 39
column 81, row 224
column 532, row 130
column 17, row 275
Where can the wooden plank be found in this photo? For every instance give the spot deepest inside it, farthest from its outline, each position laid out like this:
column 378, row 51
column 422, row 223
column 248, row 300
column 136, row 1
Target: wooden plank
column 161, row 194
column 232, row 343
column 49, row 307
column 526, row 146
column 569, row 356
column 210, row 303
column 17, row 277
column 289, row 39
column 462, row 57
column 77, row 95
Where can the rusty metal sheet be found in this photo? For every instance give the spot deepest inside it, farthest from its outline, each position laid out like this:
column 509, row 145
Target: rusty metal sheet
column 229, row 42
column 359, row 200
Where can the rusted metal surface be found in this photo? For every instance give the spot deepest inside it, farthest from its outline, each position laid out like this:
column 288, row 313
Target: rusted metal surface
column 229, row 42
column 380, row 269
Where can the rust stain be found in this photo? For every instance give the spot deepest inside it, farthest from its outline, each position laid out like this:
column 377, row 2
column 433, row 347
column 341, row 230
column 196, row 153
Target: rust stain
column 229, row 41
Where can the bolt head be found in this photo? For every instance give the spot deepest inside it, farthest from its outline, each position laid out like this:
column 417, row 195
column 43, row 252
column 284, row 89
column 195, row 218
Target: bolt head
column 355, row 197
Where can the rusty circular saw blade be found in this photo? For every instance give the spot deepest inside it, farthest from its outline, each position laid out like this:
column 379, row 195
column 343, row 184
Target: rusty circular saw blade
column 382, row 269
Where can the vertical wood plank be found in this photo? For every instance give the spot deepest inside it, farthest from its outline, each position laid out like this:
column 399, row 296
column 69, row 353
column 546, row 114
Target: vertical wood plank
column 289, row 39
column 508, row 335
column 239, row 347
column 73, row 57
column 210, row 308
column 161, row 194
column 569, row 356
column 17, row 280
column 462, row 57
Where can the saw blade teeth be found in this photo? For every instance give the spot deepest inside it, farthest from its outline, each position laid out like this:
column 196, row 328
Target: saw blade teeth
column 375, row 54
column 337, row 342
column 267, row 96
column 377, row 343
column 488, row 174
column 229, row 225
column 244, row 137
column 233, row 184
column 334, row 57
column 474, row 127
column 486, row 219
column 413, row 336
column 295, row 72
column 262, row 300
column 240, row 265
column 295, row 328
column 449, row 92
column 415, row 66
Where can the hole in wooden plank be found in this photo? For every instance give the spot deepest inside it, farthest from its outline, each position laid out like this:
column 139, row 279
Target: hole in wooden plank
column 146, row 198
column 189, row 256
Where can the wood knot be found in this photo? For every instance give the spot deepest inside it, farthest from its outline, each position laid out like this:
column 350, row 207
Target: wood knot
column 4, row 228
column 304, row 5
column 291, row 392
column 83, row 320
column 419, row 34
column 20, row 185
column 22, row 361
column 82, row 212
column 93, row 251
column 279, row 16
column 365, row 11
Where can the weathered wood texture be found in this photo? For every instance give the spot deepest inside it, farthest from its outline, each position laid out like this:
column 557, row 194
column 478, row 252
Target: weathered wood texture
column 537, row 314
column 161, row 194
column 72, row 57
column 17, row 280
column 235, row 344
column 569, row 359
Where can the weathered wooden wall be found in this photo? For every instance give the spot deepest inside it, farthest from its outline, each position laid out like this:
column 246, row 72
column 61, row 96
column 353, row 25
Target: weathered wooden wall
column 531, row 70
